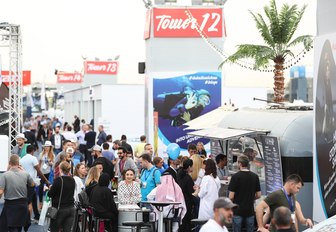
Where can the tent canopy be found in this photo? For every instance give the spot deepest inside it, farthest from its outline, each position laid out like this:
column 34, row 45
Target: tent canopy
column 224, row 133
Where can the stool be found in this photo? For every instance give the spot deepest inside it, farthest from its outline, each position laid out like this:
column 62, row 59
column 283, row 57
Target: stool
column 146, row 218
column 136, row 226
column 176, row 218
column 198, row 223
column 97, row 220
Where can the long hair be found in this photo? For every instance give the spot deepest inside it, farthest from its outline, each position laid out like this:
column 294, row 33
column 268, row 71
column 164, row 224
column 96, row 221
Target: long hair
column 77, row 167
column 93, row 175
column 210, row 168
column 197, row 165
column 50, row 155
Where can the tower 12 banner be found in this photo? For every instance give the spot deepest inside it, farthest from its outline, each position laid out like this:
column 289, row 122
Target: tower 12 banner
column 179, row 99
column 325, row 128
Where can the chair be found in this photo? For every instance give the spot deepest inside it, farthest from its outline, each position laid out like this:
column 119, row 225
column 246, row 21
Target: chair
column 85, row 214
column 135, row 225
column 146, row 219
column 176, row 218
column 97, row 220
column 198, row 223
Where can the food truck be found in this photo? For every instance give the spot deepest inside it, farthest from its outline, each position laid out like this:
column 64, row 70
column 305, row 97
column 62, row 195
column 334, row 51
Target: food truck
column 277, row 139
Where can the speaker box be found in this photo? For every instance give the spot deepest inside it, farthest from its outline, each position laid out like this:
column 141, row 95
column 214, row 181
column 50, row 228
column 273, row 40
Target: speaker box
column 141, row 67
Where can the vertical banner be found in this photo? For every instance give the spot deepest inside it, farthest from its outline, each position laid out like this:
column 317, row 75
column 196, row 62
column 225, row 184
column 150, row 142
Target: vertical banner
column 325, row 128
column 273, row 167
column 179, row 99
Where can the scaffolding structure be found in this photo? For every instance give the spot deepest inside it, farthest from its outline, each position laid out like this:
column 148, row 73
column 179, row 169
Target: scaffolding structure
column 10, row 38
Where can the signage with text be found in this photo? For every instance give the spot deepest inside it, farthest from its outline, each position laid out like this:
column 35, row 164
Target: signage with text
column 26, row 77
column 69, row 78
column 173, row 22
column 273, row 168
column 101, row 67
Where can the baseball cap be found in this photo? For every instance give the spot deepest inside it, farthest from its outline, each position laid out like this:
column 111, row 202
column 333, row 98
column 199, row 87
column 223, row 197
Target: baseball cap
column 95, row 148
column 224, row 202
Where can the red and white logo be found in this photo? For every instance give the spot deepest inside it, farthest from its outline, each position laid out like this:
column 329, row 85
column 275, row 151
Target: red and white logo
column 26, row 77
column 176, row 23
column 69, row 78
column 101, row 67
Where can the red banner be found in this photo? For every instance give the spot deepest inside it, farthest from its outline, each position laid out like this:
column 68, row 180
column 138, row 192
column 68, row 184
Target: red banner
column 176, row 23
column 101, row 67
column 69, row 78
column 148, row 24
column 26, row 77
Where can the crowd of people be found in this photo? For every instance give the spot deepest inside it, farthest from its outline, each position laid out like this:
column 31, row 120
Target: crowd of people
column 67, row 159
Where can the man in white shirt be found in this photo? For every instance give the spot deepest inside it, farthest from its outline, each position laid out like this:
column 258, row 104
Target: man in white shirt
column 31, row 165
column 222, row 215
column 68, row 134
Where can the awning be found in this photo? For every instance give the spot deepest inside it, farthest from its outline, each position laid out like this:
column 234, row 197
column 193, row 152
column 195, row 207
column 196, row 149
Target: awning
column 223, row 133
column 209, row 120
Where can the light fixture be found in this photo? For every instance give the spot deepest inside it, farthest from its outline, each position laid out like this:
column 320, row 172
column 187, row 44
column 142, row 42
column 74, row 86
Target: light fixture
column 208, row 2
column 163, row 2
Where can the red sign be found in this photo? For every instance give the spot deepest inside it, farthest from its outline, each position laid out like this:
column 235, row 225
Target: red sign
column 69, row 78
column 101, row 67
column 26, row 77
column 176, row 22
column 148, row 24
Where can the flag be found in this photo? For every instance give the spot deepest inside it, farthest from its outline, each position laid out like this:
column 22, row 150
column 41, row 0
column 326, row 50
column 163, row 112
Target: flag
column 43, row 102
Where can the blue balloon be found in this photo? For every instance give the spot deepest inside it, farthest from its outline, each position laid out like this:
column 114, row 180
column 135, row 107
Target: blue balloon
column 173, row 151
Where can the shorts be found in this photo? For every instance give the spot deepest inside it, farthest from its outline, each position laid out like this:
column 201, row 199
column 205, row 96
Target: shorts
column 31, row 191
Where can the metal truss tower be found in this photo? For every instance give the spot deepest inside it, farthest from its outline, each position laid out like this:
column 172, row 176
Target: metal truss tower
column 10, row 37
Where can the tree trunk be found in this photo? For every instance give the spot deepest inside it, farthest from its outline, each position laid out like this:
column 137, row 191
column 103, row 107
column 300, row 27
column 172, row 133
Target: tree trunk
column 279, row 82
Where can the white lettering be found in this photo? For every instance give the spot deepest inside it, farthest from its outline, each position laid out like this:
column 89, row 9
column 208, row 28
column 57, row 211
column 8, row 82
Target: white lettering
column 166, row 22
column 94, row 67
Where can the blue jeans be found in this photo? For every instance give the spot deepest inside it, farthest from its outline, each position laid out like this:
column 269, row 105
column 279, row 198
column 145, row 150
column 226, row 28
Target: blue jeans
column 238, row 221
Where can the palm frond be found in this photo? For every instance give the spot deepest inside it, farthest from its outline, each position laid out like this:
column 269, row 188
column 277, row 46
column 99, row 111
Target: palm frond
column 295, row 22
column 286, row 53
column 286, row 17
column 306, row 40
column 272, row 15
column 263, row 29
column 259, row 53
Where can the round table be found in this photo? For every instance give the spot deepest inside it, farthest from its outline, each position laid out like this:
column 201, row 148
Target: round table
column 159, row 206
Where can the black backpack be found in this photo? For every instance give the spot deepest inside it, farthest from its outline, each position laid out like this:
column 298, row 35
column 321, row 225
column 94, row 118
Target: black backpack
column 83, row 199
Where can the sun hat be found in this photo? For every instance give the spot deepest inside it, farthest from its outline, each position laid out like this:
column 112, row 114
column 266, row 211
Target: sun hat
column 21, row 136
column 47, row 144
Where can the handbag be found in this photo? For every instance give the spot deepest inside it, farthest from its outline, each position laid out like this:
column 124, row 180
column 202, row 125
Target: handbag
column 52, row 211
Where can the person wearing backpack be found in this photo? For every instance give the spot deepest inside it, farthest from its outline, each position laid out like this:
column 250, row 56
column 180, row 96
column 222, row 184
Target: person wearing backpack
column 150, row 176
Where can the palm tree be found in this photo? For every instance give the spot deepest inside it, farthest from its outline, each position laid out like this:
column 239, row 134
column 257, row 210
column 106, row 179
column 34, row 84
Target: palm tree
column 277, row 35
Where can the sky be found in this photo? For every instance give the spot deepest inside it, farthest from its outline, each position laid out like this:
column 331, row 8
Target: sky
column 56, row 34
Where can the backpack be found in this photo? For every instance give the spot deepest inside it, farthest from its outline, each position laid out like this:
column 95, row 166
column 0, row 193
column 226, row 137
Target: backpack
column 156, row 169
column 83, row 199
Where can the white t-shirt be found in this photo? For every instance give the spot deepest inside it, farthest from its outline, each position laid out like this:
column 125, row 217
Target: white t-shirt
column 79, row 187
column 213, row 226
column 208, row 194
column 28, row 162
column 57, row 141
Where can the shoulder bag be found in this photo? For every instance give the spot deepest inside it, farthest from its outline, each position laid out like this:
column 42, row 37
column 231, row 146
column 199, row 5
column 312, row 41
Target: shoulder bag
column 52, row 211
